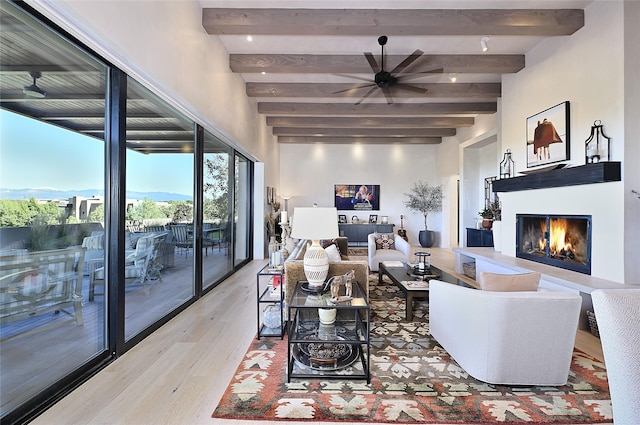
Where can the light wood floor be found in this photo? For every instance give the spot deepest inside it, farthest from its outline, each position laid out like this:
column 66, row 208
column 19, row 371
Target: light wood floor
column 177, row 375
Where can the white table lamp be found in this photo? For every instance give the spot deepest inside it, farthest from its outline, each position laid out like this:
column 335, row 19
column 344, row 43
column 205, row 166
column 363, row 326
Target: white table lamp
column 315, row 224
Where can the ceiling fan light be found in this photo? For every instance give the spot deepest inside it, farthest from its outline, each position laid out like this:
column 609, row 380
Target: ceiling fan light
column 484, row 42
column 34, row 91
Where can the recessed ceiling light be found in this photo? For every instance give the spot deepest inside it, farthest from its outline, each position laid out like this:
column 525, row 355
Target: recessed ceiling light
column 263, row 73
column 249, row 38
column 453, row 77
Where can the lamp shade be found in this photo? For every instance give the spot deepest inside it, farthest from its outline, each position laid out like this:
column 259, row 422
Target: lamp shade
column 314, row 223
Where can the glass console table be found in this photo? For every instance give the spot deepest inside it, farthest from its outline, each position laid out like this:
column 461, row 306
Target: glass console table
column 339, row 350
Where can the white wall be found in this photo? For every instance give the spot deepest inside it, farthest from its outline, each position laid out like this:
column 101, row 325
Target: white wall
column 586, row 69
column 310, row 171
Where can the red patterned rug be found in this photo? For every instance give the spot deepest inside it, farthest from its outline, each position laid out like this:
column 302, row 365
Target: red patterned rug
column 413, row 381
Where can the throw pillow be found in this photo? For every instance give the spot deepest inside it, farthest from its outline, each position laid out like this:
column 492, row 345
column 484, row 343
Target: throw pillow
column 385, row 241
column 509, row 282
column 325, row 243
column 333, row 253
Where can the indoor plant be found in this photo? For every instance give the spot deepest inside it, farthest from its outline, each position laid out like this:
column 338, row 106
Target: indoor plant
column 424, row 198
column 487, row 217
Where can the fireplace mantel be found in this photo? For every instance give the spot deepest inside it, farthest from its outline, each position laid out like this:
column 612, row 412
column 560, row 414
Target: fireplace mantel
column 584, row 174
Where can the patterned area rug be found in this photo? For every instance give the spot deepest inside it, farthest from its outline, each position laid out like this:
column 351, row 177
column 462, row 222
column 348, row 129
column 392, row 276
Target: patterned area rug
column 413, row 381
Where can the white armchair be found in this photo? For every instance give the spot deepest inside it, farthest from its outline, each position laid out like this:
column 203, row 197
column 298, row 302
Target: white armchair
column 618, row 316
column 400, row 251
column 517, row 338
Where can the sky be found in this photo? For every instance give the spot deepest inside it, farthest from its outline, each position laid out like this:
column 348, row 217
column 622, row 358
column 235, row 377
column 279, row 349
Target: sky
column 34, row 154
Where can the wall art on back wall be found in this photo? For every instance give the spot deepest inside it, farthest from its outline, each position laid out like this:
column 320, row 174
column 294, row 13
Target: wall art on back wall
column 359, row 197
column 548, row 136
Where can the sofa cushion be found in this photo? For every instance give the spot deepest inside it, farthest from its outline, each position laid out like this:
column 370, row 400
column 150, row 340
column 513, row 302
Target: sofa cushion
column 341, row 243
column 385, row 241
column 333, row 253
column 509, row 282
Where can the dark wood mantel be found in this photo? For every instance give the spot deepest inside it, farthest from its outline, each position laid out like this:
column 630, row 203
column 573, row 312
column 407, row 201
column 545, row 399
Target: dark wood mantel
column 601, row 172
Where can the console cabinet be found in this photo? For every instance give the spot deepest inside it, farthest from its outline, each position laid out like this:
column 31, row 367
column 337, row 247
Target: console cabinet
column 479, row 237
column 357, row 233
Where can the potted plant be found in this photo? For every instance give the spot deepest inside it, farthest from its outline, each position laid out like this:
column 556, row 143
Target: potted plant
column 424, row 199
column 487, row 218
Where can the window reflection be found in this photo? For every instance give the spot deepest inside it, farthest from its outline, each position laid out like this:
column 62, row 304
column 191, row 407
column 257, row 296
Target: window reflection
column 159, row 238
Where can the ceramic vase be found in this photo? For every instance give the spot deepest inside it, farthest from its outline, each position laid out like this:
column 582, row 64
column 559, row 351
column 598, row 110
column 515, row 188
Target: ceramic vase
column 426, row 238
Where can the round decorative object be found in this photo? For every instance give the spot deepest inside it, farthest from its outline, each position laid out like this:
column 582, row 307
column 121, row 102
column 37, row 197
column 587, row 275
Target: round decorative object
column 327, row 315
column 320, row 355
column 272, row 316
column 427, row 238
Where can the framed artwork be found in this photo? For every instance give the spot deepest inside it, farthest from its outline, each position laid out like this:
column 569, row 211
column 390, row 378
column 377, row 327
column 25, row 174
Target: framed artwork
column 358, row 197
column 342, row 219
column 373, row 218
column 548, row 136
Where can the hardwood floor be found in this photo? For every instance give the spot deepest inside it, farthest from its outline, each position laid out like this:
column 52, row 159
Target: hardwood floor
column 178, row 374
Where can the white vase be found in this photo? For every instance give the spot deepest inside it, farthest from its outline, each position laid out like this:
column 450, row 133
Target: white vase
column 327, row 315
column 497, row 236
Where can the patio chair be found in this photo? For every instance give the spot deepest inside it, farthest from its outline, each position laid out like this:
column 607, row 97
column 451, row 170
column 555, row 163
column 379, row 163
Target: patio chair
column 183, row 239
column 136, row 270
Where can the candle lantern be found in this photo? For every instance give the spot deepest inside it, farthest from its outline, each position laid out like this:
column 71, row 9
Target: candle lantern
column 596, row 147
column 507, row 165
column 275, row 255
column 422, row 262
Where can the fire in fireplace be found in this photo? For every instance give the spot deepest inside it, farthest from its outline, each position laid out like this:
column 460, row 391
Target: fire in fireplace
column 558, row 240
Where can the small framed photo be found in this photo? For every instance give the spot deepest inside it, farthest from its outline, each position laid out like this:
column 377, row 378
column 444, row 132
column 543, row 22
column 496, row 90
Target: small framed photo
column 373, row 218
column 384, row 219
column 342, row 219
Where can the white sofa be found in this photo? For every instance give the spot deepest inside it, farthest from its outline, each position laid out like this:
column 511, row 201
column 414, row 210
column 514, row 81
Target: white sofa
column 518, row 338
column 618, row 316
column 402, row 251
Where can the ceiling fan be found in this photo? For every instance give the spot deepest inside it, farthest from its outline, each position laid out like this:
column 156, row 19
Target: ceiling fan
column 384, row 80
column 33, row 90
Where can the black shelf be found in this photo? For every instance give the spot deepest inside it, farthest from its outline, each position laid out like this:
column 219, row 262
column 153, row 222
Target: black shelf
column 601, row 172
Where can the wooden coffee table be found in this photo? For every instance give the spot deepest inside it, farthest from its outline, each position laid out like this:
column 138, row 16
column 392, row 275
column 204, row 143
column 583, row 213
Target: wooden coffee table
column 414, row 286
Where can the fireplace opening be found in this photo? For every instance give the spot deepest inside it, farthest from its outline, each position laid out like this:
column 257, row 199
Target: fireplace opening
column 558, row 240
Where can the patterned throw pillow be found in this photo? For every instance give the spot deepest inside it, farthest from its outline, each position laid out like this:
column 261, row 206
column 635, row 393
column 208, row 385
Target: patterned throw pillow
column 385, row 241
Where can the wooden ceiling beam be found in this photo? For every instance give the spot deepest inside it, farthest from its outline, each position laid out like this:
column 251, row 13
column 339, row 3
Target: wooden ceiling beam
column 316, row 64
column 364, row 132
column 365, row 140
column 369, row 122
column 374, row 22
column 372, row 109
column 308, row 90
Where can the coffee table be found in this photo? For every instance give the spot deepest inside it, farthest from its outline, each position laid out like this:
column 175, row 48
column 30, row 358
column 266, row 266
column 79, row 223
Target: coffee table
column 413, row 286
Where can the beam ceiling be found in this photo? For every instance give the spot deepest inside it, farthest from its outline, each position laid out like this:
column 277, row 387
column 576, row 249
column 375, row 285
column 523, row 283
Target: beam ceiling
column 312, row 76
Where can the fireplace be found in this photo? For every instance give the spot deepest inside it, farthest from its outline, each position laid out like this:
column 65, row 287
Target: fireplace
column 558, row 240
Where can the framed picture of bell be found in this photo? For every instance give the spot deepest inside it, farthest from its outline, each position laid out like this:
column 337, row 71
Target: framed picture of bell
column 548, row 136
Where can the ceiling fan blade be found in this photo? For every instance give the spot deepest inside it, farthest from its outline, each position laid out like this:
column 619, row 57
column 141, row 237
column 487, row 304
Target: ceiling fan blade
column 407, row 77
column 367, row 94
column 387, row 94
column 359, row 86
column 372, row 62
column 355, row 77
column 408, row 61
column 409, row 87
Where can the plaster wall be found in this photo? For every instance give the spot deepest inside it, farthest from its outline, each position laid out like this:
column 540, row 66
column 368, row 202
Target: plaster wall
column 310, row 171
column 586, row 70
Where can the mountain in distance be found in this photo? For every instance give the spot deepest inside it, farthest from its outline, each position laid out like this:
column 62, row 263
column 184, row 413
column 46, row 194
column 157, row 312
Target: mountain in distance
column 47, row 193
